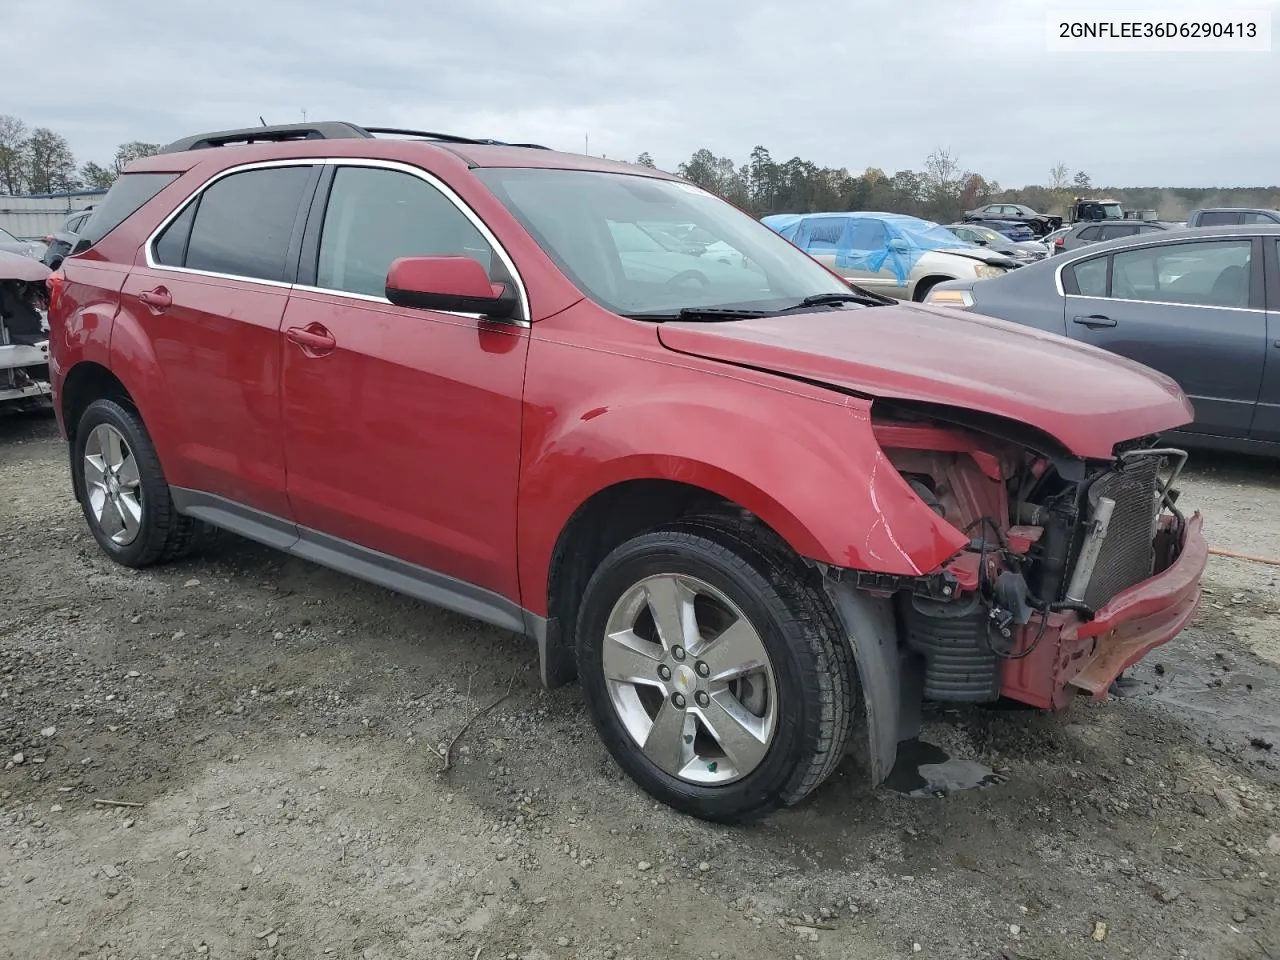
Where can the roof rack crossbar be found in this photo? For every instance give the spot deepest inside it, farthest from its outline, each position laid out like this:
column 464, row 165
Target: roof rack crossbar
column 327, row 130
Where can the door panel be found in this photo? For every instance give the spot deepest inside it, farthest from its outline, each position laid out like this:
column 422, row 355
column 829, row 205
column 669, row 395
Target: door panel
column 405, row 437
column 218, row 349
column 1266, row 421
column 1215, row 353
column 402, row 426
column 209, row 298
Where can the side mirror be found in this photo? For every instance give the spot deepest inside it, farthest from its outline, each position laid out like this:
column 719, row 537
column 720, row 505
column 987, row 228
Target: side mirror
column 898, row 245
column 455, row 284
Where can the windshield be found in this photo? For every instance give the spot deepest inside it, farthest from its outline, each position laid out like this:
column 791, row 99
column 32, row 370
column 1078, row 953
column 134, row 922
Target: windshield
column 641, row 246
column 1112, row 211
column 6, row 236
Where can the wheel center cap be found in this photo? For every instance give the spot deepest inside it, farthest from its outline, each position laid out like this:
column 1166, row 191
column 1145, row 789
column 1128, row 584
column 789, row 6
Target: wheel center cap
column 113, row 486
column 683, row 679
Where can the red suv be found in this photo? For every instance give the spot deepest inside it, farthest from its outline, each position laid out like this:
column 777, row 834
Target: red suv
column 757, row 511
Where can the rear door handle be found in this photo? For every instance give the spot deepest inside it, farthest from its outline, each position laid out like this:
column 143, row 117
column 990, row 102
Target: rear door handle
column 1094, row 321
column 314, row 339
column 157, row 299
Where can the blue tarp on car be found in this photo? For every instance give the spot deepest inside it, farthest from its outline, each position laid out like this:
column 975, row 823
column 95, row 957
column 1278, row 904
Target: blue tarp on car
column 865, row 241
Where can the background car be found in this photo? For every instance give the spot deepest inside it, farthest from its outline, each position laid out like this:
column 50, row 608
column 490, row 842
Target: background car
column 1085, row 232
column 1018, row 232
column 1231, row 216
column 59, row 245
column 24, row 248
column 981, row 235
column 1053, row 240
column 1191, row 303
column 888, row 253
column 1039, row 223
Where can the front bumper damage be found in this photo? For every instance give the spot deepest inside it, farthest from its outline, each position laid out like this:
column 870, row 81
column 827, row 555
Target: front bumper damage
column 1075, row 570
column 1075, row 654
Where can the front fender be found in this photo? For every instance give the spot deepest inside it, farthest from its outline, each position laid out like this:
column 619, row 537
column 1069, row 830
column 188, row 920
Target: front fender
column 810, row 468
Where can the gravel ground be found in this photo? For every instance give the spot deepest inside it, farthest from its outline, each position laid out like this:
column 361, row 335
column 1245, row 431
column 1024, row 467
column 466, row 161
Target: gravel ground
column 274, row 729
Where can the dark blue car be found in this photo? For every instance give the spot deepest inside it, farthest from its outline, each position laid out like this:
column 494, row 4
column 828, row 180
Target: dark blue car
column 1012, row 229
column 1200, row 305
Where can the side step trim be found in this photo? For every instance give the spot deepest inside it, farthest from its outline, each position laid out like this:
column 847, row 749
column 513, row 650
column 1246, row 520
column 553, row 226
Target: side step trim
column 359, row 562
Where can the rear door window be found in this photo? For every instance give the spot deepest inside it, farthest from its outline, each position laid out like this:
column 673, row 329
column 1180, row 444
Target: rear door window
column 1203, row 273
column 243, row 223
column 1091, row 277
column 1219, row 218
column 1112, row 231
column 125, row 198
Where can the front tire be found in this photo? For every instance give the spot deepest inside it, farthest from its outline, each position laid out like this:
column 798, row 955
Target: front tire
column 122, row 489
column 713, row 672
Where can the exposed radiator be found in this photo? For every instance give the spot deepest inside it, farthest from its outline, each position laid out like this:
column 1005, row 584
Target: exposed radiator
column 1128, row 552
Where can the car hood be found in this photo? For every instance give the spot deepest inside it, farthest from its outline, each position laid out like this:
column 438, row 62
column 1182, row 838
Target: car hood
column 982, row 254
column 15, row 266
column 1085, row 398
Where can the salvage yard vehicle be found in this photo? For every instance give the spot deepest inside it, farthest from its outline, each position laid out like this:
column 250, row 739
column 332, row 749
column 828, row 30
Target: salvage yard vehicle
column 889, row 254
column 22, row 248
column 24, row 338
column 983, row 236
column 1231, row 216
column 1018, row 232
column 752, row 527
column 1039, row 223
column 1201, row 305
column 1089, row 231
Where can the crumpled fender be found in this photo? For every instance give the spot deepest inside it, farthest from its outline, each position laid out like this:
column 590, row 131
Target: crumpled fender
column 804, row 461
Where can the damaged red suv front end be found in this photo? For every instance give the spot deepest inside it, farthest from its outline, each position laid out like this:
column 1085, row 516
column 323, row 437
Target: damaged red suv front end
column 1075, row 568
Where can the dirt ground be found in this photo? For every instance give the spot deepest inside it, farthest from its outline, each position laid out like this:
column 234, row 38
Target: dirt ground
column 273, row 726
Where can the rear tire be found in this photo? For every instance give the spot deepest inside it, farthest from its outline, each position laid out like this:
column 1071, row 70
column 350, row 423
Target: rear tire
column 739, row 600
column 123, row 492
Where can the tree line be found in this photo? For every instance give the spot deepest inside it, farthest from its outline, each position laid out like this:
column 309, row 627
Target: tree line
column 941, row 191
column 40, row 160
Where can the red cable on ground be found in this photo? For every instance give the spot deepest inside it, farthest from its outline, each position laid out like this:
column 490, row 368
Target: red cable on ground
column 1244, row 556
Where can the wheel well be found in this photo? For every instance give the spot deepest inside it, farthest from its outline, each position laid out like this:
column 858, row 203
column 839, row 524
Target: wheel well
column 927, row 284
column 608, row 519
column 86, row 383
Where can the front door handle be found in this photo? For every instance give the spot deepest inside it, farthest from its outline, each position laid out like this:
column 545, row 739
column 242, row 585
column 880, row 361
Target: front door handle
column 314, row 339
column 157, row 299
column 1094, row 321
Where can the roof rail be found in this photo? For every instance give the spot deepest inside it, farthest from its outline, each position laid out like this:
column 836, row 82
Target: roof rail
column 450, row 137
column 327, row 130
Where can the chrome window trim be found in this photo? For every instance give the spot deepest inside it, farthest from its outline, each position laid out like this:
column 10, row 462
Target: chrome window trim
column 1144, row 245
column 394, row 165
column 1163, row 303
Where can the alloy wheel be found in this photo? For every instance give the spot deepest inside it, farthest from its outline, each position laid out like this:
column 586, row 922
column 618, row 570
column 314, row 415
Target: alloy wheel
column 113, row 485
column 690, row 679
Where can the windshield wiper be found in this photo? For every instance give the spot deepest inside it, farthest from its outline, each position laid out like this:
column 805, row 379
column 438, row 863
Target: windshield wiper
column 832, row 299
column 704, row 313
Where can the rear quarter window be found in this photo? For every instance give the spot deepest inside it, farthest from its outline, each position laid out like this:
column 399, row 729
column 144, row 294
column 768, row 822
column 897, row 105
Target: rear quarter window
column 123, row 200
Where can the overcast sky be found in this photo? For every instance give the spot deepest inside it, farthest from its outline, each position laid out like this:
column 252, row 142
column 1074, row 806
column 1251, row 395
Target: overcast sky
column 850, row 83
